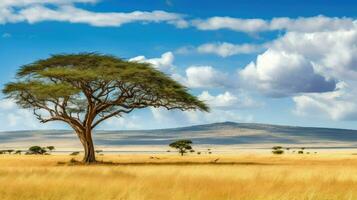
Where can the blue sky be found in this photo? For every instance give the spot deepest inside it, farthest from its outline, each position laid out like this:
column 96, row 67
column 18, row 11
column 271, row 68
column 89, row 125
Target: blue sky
column 282, row 62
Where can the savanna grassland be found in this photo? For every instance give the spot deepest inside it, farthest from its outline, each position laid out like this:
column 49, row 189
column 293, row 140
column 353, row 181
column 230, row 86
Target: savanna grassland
column 135, row 177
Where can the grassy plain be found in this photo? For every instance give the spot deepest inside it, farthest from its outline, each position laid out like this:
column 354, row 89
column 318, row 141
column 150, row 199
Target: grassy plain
column 138, row 177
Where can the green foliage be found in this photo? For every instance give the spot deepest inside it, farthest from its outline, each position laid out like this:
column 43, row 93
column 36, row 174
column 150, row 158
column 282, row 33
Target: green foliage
column 37, row 150
column 73, row 76
column 182, row 146
column 300, row 152
column 50, row 148
column 85, row 89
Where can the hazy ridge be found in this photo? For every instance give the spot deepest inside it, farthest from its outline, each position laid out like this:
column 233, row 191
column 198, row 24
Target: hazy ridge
column 226, row 133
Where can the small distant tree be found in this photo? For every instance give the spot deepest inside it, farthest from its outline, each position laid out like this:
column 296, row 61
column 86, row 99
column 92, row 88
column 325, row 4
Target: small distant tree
column 99, row 151
column 277, row 147
column 10, row 151
column 18, row 152
column 182, row 146
column 37, row 150
column 277, row 150
column 75, row 153
column 50, row 148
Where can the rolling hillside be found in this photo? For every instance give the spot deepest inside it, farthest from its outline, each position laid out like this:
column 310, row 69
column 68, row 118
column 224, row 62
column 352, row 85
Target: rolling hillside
column 227, row 133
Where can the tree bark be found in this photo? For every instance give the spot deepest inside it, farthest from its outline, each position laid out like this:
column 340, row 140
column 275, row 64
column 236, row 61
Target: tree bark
column 87, row 142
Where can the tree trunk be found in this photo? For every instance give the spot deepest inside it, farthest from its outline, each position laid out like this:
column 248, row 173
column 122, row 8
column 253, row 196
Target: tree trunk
column 87, row 142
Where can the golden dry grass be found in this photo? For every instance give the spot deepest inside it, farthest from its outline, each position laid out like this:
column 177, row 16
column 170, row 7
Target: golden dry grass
column 252, row 177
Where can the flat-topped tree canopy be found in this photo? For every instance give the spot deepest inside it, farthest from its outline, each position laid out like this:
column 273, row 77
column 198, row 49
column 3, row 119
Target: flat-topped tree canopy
column 85, row 89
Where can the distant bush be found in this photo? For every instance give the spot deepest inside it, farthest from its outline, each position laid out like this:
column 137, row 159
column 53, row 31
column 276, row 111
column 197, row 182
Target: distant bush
column 18, row 152
column 50, row 148
column 75, row 153
column 37, row 150
column 278, row 151
column 10, row 151
column 300, row 152
column 192, row 151
column 277, row 147
column 199, row 153
column 99, row 151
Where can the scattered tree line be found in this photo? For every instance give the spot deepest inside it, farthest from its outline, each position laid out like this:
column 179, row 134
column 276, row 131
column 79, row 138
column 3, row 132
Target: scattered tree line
column 33, row 150
column 280, row 150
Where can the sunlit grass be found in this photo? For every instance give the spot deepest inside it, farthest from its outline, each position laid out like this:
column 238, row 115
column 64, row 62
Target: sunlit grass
column 263, row 177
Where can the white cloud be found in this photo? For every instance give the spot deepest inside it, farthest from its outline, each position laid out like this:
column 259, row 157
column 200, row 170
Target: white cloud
column 337, row 105
column 164, row 63
column 33, row 11
column 278, row 73
column 236, row 24
column 21, row 3
column 227, row 49
column 14, row 118
column 204, row 77
column 127, row 122
column 301, row 24
column 228, row 101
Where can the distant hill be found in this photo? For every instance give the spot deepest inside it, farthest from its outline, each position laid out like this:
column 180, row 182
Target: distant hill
column 227, row 133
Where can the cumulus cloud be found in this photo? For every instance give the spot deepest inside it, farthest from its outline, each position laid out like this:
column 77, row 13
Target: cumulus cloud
column 337, row 105
column 278, row 73
column 227, row 100
column 301, row 24
column 204, row 77
column 164, row 63
column 33, row 11
column 225, row 49
column 14, row 118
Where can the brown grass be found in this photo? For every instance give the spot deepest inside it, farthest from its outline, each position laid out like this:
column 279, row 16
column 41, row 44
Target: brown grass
column 246, row 177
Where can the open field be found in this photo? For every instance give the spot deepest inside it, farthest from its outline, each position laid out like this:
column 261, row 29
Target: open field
column 245, row 176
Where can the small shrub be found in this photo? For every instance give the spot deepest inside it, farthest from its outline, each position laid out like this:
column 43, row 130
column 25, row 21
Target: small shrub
column 10, row 151
column 75, row 153
column 278, row 151
column 50, row 148
column 192, row 151
column 199, row 153
column 277, row 147
column 18, row 152
column 98, row 151
column 300, row 152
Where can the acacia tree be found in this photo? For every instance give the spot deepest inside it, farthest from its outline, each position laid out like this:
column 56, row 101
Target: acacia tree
column 182, row 146
column 83, row 90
